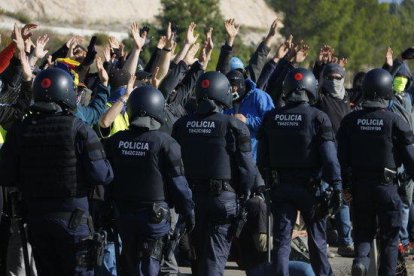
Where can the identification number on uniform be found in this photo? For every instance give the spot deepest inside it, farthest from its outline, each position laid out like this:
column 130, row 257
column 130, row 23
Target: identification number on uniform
column 133, row 148
column 370, row 124
column 289, row 120
column 205, row 128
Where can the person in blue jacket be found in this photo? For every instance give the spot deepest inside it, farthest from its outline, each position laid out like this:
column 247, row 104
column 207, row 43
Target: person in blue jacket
column 249, row 104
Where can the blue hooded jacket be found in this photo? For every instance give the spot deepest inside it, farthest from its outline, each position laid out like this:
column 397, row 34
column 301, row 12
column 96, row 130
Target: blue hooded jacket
column 253, row 106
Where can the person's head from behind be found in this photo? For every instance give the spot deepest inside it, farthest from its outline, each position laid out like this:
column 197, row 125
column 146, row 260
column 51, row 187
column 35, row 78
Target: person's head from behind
column 146, row 103
column 377, row 88
column 300, row 86
column 213, row 92
column 118, row 81
column 54, row 91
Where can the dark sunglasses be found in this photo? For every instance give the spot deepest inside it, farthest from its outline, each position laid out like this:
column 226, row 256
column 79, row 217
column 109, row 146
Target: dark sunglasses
column 333, row 78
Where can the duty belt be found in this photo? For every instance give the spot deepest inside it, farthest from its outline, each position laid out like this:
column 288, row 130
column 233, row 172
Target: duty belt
column 67, row 216
column 203, row 186
column 385, row 177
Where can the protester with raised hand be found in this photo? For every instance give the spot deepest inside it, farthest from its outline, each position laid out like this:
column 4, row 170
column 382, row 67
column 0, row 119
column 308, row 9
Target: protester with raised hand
column 15, row 99
column 257, row 60
column 270, row 66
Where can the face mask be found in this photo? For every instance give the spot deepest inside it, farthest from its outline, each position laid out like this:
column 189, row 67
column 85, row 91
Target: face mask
column 335, row 88
column 399, row 84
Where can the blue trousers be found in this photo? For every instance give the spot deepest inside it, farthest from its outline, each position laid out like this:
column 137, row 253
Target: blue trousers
column 210, row 236
column 343, row 224
column 136, row 229
column 288, row 198
column 57, row 249
column 376, row 205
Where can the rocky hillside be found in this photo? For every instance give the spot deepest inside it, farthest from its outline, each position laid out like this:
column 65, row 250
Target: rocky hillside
column 87, row 16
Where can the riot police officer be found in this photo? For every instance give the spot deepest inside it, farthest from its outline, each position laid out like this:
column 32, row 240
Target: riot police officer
column 148, row 177
column 297, row 148
column 372, row 144
column 54, row 159
column 217, row 160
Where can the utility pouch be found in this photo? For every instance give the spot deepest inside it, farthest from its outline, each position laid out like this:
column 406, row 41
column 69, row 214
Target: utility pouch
column 158, row 213
column 216, row 187
column 76, row 218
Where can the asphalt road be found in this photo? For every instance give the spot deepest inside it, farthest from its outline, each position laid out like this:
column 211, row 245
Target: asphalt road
column 340, row 265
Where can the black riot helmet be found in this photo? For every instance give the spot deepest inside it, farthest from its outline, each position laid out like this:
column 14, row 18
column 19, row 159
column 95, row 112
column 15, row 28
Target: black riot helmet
column 146, row 101
column 214, row 86
column 300, row 85
column 55, row 85
column 236, row 78
column 377, row 85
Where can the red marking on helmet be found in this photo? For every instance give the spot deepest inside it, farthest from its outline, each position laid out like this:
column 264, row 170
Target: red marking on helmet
column 298, row 76
column 46, row 83
column 205, row 83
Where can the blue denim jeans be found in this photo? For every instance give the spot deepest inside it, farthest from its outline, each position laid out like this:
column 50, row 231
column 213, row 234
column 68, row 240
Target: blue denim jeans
column 344, row 226
column 405, row 212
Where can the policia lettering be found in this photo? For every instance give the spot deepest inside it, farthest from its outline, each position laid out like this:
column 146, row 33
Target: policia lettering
column 370, row 124
column 201, row 127
column 133, row 148
column 288, row 120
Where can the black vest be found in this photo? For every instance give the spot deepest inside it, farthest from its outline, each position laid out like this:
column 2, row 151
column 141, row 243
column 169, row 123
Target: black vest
column 206, row 146
column 371, row 140
column 138, row 159
column 292, row 137
column 49, row 165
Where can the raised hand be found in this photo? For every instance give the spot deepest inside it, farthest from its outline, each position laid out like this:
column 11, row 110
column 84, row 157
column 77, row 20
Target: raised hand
column 209, row 45
column 103, row 75
column 389, row 57
column 325, row 54
column 27, row 30
column 17, row 38
column 74, row 40
column 273, row 28
column 302, row 52
column 232, row 29
column 139, row 40
column 343, row 62
column 169, row 31
column 190, row 56
column 113, row 42
column 41, row 42
column 161, row 42
column 190, row 37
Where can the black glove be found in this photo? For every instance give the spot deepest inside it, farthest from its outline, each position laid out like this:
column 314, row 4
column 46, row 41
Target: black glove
column 336, row 201
column 189, row 221
column 90, row 55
